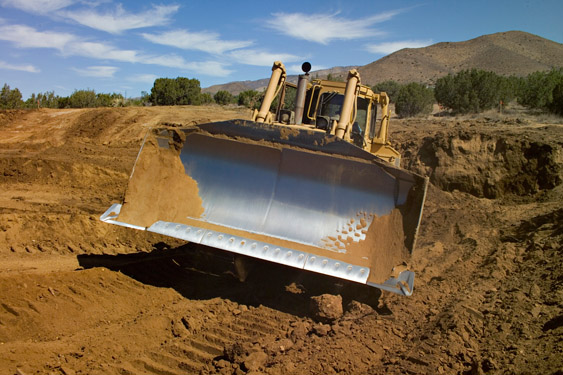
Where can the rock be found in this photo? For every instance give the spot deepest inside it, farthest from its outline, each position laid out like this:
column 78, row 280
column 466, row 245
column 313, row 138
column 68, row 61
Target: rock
column 222, row 364
column 255, row 361
column 326, row 307
column 535, row 291
column 321, row 329
column 278, row 346
column 300, row 331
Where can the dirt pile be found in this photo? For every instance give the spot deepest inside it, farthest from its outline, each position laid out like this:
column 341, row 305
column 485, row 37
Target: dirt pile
column 83, row 297
column 493, row 163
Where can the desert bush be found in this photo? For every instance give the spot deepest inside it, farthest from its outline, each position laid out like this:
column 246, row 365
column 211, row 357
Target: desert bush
column 543, row 91
column 335, row 77
column 390, row 87
column 223, row 97
column 9, row 98
column 413, row 99
column 43, row 100
column 472, row 90
column 82, row 99
column 177, row 91
column 556, row 106
column 249, row 98
column 109, row 100
column 206, row 98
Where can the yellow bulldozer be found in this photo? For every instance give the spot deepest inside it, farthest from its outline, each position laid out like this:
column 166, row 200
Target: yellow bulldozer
column 310, row 182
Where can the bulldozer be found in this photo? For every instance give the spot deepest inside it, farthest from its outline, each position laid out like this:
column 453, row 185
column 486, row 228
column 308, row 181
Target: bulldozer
column 310, row 182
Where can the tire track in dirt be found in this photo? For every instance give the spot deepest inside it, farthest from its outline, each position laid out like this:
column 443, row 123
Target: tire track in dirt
column 202, row 335
column 197, row 351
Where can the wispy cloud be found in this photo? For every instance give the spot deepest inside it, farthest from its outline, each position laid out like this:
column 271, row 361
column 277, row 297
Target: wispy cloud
column 209, row 42
column 105, row 51
column 324, row 28
column 260, row 58
column 27, row 37
column 119, row 20
column 22, row 68
column 97, row 71
column 390, row 47
column 144, row 78
column 37, row 6
column 212, row 68
column 70, row 45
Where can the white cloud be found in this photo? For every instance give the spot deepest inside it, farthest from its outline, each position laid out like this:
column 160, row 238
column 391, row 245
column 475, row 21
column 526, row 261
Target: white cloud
column 70, row 45
column 22, row 68
column 119, row 20
column 260, row 58
column 37, row 6
column 390, row 47
column 144, row 78
column 103, row 51
column 202, row 41
column 212, row 68
column 27, row 37
column 97, row 71
column 323, row 28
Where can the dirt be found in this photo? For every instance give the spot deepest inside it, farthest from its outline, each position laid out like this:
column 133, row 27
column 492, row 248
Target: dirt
column 159, row 169
column 82, row 297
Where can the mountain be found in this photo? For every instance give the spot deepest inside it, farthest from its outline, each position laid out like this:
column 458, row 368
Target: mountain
column 505, row 53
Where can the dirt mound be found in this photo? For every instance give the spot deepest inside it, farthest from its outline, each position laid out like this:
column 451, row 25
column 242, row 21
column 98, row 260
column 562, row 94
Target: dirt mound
column 83, row 297
column 493, row 163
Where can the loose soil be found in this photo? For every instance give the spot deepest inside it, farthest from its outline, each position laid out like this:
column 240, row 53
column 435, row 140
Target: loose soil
column 82, row 297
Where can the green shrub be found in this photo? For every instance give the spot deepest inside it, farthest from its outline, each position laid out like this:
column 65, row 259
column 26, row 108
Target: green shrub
column 414, row 99
column 178, row 91
column 472, row 90
column 83, row 99
column 9, row 98
column 391, row 88
column 556, row 106
column 205, row 98
column 223, row 97
column 43, row 100
column 249, row 98
column 543, row 91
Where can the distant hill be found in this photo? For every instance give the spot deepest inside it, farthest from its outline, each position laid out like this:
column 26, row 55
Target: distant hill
column 506, row 53
column 236, row 87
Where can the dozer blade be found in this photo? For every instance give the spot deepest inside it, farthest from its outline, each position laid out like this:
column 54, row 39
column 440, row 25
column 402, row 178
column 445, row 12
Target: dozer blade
column 283, row 194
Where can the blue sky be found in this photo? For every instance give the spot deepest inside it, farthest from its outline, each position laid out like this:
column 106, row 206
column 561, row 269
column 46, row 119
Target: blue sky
column 123, row 46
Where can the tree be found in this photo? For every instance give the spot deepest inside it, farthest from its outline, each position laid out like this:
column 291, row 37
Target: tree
column 10, row 99
column 542, row 90
column 249, row 98
column 178, row 91
column 223, row 97
column 83, row 99
column 556, row 106
column 414, row 99
column 334, row 78
column 390, row 87
column 109, row 100
column 44, row 100
column 206, row 98
column 472, row 90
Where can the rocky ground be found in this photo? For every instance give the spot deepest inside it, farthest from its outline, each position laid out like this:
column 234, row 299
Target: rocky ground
column 82, row 297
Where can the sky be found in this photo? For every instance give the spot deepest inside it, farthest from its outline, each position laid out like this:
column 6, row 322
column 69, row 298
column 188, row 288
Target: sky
column 123, row 46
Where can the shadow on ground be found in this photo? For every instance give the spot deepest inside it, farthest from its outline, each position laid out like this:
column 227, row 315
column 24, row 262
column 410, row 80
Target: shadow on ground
column 199, row 272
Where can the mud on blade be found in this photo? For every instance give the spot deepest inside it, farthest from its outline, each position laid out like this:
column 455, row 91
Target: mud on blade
column 279, row 193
